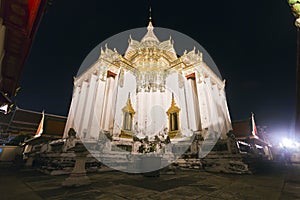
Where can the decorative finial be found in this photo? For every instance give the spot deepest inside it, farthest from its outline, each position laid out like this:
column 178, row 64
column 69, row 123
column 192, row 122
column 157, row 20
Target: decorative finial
column 130, row 39
column 101, row 51
column 173, row 99
column 150, row 36
column 150, row 14
column 150, row 26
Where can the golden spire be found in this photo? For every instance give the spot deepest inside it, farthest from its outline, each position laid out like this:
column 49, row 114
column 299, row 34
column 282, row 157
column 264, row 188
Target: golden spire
column 173, row 100
column 174, row 107
column 128, row 107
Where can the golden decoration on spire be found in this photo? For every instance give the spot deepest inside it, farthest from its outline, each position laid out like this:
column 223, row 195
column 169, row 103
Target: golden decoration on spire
column 174, row 107
column 128, row 108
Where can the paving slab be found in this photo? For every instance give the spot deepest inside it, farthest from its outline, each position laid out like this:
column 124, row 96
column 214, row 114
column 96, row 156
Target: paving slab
column 185, row 184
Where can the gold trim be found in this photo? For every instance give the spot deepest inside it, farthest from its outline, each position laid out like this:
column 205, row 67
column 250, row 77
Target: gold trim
column 128, row 109
column 126, row 134
column 174, row 109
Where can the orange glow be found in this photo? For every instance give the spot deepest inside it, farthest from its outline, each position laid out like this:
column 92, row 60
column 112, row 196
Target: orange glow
column 33, row 7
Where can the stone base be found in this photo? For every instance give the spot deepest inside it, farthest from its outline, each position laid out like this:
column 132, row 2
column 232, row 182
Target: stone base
column 175, row 134
column 126, row 134
column 76, row 180
column 29, row 162
column 59, row 172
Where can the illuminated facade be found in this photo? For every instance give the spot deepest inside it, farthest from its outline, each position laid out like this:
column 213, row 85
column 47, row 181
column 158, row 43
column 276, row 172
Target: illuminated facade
column 148, row 91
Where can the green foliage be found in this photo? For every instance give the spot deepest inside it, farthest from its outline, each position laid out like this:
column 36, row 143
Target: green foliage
column 141, row 149
column 149, row 146
column 296, row 8
column 146, row 139
column 152, row 147
column 291, row 2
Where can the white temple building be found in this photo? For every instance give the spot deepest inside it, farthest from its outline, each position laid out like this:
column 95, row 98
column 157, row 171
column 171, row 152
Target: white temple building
column 148, row 91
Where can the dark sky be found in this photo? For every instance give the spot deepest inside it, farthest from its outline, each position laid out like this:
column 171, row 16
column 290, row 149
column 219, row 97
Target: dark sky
column 253, row 44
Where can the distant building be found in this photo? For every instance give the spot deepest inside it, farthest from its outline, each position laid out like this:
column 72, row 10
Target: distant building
column 20, row 125
column 26, row 122
column 249, row 139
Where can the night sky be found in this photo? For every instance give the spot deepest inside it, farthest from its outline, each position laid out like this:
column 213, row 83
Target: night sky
column 253, row 44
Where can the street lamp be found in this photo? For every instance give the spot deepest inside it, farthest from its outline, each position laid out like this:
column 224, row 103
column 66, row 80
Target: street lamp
column 295, row 6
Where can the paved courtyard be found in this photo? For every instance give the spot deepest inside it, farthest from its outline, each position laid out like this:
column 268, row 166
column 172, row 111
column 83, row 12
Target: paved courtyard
column 277, row 183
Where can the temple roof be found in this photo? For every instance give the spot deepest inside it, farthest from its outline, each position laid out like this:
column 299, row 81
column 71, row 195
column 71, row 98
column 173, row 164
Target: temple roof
column 150, row 36
column 21, row 121
column 150, row 41
column 137, row 54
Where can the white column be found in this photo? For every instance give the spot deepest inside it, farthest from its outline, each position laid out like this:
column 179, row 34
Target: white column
column 72, row 111
column 88, row 105
column 212, row 106
column 183, row 104
column 105, row 97
column 218, row 107
column 194, row 106
column 203, row 102
column 225, row 111
column 108, row 104
column 80, row 108
column 113, row 91
column 191, row 105
column 97, row 109
column 120, row 99
column 87, row 91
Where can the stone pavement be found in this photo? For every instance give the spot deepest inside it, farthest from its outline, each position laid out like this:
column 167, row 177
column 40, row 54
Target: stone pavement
column 291, row 186
column 278, row 183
